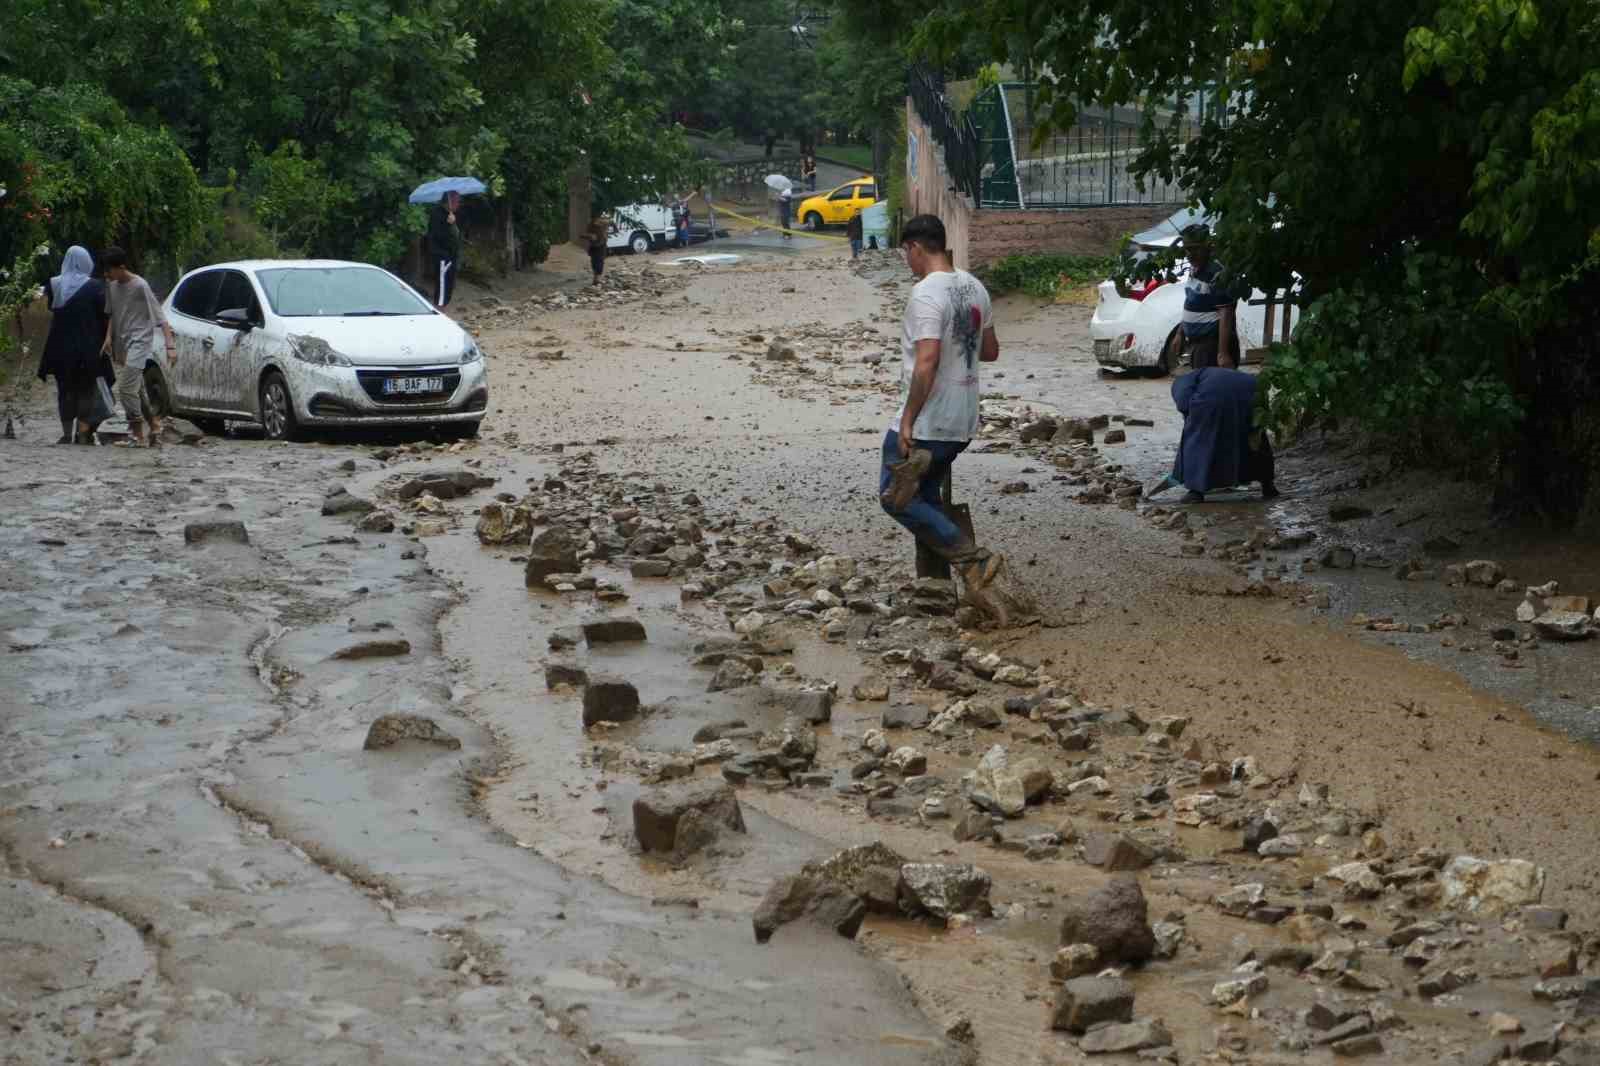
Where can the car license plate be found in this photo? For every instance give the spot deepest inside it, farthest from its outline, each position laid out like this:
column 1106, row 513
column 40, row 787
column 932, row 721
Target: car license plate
column 1102, row 348
column 412, row 386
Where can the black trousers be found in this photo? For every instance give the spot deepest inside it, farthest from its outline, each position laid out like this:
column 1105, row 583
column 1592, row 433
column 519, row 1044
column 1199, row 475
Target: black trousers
column 444, row 280
column 1203, row 350
column 597, row 260
column 74, row 397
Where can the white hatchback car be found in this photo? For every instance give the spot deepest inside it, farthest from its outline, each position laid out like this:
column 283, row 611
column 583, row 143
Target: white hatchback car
column 296, row 344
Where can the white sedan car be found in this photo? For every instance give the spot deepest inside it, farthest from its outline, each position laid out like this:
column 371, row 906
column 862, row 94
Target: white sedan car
column 296, row 344
column 1142, row 329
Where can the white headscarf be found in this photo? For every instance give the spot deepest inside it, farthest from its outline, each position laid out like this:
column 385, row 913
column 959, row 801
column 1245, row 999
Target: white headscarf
column 76, row 267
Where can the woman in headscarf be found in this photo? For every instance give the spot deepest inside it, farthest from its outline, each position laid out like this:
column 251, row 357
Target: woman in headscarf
column 72, row 351
column 1220, row 447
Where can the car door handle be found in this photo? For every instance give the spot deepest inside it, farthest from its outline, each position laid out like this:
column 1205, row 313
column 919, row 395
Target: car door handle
column 208, row 344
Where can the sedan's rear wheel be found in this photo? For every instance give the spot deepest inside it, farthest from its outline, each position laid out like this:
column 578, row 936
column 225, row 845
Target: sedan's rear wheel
column 277, row 409
column 1171, row 351
column 155, row 390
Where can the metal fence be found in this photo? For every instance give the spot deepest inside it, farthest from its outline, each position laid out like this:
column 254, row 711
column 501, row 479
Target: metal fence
column 1087, row 164
column 956, row 133
column 991, row 157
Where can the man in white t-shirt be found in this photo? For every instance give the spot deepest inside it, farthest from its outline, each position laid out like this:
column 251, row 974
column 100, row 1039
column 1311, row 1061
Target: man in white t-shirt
column 948, row 330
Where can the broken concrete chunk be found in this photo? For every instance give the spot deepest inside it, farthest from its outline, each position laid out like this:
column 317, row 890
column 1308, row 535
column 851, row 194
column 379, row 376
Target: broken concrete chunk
column 391, row 729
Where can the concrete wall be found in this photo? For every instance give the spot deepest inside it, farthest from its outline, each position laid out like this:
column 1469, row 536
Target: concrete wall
column 979, row 237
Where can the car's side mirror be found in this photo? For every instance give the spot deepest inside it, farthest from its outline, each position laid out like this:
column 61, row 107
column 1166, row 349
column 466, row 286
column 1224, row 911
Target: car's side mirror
column 236, row 318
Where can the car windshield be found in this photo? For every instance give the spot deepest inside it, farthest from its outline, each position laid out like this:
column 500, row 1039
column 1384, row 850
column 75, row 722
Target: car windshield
column 328, row 292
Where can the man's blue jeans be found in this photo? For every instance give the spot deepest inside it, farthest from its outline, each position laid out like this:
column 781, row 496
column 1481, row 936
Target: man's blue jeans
column 924, row 515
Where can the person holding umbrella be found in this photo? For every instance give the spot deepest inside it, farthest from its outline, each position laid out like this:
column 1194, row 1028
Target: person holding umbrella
column 785, row 206
column 444, row 246
column 442, row 243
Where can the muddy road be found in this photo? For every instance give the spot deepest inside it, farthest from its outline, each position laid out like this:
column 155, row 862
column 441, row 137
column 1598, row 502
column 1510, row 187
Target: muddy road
column 203, row 863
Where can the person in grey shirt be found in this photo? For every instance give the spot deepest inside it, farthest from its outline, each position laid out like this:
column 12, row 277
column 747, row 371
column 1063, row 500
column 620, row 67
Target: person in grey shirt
column 130, row 338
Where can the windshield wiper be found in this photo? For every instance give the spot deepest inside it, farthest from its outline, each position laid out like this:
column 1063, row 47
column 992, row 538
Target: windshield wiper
column 371, row 314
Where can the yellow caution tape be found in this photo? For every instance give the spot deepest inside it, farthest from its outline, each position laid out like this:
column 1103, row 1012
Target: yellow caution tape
column 768, row 225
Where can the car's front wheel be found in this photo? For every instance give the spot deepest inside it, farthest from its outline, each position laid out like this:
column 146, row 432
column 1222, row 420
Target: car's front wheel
column 639, row 242
column 277, row 408
column 813, row 221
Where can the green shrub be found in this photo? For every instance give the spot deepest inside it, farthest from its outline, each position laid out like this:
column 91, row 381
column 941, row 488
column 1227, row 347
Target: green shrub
column 1044, row 275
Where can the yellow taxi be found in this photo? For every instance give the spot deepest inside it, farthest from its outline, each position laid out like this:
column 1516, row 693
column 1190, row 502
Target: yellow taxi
column 838, row 206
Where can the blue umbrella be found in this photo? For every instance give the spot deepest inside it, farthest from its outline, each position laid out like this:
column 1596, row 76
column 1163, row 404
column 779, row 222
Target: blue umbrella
column 432, row 192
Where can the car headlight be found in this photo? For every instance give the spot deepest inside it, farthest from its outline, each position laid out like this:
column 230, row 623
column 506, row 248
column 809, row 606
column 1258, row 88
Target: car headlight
column 471, row 353
column 316, row 351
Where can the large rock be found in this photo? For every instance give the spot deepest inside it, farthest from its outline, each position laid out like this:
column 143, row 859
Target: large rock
column 677, row 819
column 1117, row 852
column 340, row 502
column 1563, row 625
column 504, row 523
column 1114, row 919
column 1119, row 1039
column 222, row 531
column 612, row 631
column 1086, row 1001
column 1490, row 887
column 552, row 551
column 905, row 716
column 871, row 871
column 943, row 890
column 1483, row 572
column 997, row 787
column 813, row 706
column 445, row 484
column 391, row 729
column 609, row 699
column 808, row 894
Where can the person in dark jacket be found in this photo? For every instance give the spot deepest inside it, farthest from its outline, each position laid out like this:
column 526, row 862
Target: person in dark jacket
column 444, row 247
column 1220, row 446
column 72, row 352
column 852, row 229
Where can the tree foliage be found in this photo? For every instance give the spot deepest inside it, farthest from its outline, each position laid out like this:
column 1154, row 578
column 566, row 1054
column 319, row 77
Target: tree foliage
column 1427, row 171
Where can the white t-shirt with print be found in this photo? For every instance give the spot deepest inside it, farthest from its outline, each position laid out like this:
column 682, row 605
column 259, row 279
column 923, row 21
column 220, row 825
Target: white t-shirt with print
column 953, row 308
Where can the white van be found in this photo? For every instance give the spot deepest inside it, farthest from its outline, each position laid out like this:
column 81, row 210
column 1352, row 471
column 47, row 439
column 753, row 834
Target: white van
column 641, row 227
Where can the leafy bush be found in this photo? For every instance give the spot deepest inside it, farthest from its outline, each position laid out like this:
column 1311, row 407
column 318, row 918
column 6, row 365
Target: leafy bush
column 295, row 201
column 1046, row 275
